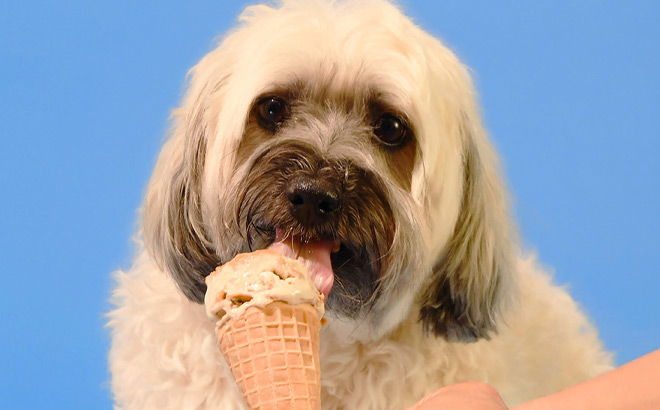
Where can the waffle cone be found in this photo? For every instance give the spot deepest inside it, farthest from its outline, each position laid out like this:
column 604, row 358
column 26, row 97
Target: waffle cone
column 273, row 353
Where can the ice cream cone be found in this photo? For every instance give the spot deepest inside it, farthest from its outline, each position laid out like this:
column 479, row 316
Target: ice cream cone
column 273, row 352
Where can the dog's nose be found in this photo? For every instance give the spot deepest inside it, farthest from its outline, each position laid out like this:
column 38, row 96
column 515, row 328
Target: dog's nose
column 312, row 200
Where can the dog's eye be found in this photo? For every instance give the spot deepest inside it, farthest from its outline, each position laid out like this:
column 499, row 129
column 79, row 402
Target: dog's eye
column 271, row 112
column 391, row 130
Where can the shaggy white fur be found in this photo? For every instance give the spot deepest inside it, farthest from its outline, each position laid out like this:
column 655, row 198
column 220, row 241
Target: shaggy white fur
column 165, row 356
column 454, row 243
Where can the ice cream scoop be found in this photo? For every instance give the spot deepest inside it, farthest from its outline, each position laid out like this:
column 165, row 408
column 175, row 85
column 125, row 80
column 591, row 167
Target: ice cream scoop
column 257, row 279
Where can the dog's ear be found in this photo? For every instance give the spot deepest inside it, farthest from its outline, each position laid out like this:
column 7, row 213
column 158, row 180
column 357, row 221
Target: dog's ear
column 174, row 230
column 471, row 279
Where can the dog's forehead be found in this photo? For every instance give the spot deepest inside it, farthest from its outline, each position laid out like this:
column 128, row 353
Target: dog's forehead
column 335, row 50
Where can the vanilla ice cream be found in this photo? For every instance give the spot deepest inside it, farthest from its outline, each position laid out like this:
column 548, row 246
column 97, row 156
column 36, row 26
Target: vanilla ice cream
column 257, row 279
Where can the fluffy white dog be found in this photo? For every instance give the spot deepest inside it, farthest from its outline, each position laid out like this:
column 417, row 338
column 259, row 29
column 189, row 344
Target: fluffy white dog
column 342, row 121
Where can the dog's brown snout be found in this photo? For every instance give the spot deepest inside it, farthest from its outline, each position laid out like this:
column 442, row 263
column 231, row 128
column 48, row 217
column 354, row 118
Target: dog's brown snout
column 312, row 200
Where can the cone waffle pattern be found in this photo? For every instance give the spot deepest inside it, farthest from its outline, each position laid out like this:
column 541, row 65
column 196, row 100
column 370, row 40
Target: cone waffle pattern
column 274, row 354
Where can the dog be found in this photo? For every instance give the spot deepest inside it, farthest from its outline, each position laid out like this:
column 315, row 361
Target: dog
column 342, row 121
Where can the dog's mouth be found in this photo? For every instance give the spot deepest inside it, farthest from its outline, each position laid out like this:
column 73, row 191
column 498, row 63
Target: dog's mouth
column 316, row 254
column 342, row 267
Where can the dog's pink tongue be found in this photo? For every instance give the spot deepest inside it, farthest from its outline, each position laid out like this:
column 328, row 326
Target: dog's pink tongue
column 315, row 255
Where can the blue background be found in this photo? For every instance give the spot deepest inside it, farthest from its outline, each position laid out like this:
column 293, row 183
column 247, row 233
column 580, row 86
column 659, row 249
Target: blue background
column 571, row 97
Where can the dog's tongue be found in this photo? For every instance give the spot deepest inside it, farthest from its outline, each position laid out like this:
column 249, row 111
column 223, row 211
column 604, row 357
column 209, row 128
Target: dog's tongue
column 314, row 254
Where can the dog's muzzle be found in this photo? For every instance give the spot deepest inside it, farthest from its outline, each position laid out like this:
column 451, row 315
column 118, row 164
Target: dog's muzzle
column 332, row 213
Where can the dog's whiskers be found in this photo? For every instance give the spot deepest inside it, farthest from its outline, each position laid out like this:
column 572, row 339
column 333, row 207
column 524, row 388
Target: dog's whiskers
column 344, row 264
column 364, row 317
column 344, row 293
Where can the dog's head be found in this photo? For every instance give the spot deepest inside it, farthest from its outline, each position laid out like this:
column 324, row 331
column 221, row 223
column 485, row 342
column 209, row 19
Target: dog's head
column 338, row 123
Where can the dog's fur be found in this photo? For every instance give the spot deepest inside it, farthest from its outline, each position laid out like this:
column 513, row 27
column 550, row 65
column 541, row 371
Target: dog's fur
column 431, row 287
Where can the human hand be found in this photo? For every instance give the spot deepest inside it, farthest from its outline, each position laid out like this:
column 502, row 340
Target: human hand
column 462, row 396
